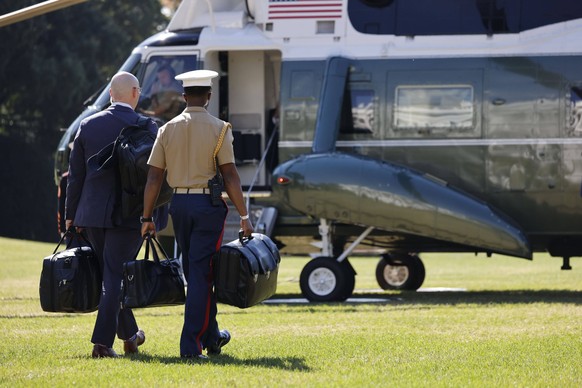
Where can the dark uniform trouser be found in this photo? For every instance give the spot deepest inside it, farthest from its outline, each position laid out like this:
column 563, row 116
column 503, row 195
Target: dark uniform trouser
column 198, row 227
column 113, row 247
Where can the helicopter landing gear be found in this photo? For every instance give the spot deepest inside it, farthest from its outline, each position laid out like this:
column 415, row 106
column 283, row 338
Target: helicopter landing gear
column 324, row 279
column 327, row 278
column 400, row 271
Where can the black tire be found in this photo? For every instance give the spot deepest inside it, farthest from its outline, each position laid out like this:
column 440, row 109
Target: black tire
column 323, row 279
column 400, row 272
column 350, row 280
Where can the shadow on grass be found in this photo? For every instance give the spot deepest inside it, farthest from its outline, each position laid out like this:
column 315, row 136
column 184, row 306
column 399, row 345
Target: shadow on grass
column 445, row 298
column 285, row 363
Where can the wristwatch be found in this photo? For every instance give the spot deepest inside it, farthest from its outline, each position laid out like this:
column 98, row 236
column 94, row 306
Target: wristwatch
column 244, row 217
column 146, row 219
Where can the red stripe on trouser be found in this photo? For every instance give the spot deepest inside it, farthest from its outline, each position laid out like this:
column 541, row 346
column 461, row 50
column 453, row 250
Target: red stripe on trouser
column 206, row 319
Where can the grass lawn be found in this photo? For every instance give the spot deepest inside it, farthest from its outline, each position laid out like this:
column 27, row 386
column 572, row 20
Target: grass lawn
column 477, row 322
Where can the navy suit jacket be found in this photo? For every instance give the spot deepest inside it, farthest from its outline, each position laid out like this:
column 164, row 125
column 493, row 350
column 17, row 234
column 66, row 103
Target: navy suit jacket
column 92, row 199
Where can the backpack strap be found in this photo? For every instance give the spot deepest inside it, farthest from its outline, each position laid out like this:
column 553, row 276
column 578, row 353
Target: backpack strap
column 102, row 159
column 142, row 121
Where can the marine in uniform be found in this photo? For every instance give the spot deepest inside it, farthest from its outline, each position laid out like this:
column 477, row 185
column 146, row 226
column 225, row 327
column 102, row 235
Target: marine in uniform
column 184, row 150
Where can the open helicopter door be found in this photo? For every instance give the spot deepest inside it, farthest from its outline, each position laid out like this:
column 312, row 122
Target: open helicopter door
column 247, row 97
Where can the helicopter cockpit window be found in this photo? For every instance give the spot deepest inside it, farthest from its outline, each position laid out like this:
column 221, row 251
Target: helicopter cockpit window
column 161, row 96
column 434, row 109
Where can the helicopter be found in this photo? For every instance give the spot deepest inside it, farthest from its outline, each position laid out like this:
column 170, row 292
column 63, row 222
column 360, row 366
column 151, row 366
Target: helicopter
column 400, row 126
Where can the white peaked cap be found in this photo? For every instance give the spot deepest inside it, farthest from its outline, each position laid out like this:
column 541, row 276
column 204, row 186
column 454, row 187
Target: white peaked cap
column 197, row 78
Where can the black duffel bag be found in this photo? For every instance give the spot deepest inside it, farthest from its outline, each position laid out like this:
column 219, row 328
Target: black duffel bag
column 70, row 280
column 152, row 283
column 245, row 271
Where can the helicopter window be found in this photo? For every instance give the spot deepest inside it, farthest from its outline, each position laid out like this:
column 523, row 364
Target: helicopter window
column 575, row 112
column 161, row 96
column 358, row 113
column 302, row 83
column 434, row 107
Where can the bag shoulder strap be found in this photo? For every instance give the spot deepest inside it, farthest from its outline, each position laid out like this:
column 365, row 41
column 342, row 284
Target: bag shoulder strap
column 219, row 143
column 142, row 121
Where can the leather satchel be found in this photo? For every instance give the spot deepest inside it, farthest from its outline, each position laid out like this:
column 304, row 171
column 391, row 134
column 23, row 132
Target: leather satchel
column 152, row 283
column 70, row 280
column 246, row 270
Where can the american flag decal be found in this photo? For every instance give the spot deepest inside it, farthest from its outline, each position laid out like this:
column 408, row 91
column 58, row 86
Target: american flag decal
column 305, row 9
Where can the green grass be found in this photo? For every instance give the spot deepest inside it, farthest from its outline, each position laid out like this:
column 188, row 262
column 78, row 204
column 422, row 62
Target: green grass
column 518, row 324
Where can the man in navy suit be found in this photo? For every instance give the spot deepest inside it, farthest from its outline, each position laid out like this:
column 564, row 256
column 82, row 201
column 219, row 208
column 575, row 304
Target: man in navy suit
column 93, row 203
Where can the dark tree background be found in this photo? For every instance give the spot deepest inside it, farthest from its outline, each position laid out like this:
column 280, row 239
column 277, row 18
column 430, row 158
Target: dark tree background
column 49, row 65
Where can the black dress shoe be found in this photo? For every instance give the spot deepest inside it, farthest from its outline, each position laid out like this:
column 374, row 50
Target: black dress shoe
column 101, row 351
column 130, row 346
column 222, row 341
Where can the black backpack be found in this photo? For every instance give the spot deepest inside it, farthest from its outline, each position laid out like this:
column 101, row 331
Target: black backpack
column 130, row 152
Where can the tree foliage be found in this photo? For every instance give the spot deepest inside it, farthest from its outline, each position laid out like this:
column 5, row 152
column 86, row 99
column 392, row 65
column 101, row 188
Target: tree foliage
column 49, row 65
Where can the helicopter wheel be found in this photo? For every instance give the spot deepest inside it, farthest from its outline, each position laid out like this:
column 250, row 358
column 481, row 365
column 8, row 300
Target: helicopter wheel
column 324, row 279
column 400, row 272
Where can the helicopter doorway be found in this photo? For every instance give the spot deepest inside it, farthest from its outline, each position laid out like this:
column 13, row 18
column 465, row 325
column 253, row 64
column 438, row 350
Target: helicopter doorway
column 248, row 97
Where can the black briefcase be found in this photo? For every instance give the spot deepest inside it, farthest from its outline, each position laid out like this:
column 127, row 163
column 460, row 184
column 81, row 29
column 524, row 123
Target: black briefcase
column 70, row 280
column 245, row 271
column 152, row 283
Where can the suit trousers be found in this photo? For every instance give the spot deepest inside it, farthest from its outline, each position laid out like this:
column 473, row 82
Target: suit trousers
column 198, row 227
column 113, row 247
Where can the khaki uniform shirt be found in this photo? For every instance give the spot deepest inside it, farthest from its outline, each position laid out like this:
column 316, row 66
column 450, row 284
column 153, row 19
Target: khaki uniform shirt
column 184, row 148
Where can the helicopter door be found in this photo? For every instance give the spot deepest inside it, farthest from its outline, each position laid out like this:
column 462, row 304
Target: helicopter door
column 248, row 99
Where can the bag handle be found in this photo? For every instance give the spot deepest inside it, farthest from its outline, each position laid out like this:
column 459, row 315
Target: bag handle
column 72, row 232
column 243, row 240
column 151, row 242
